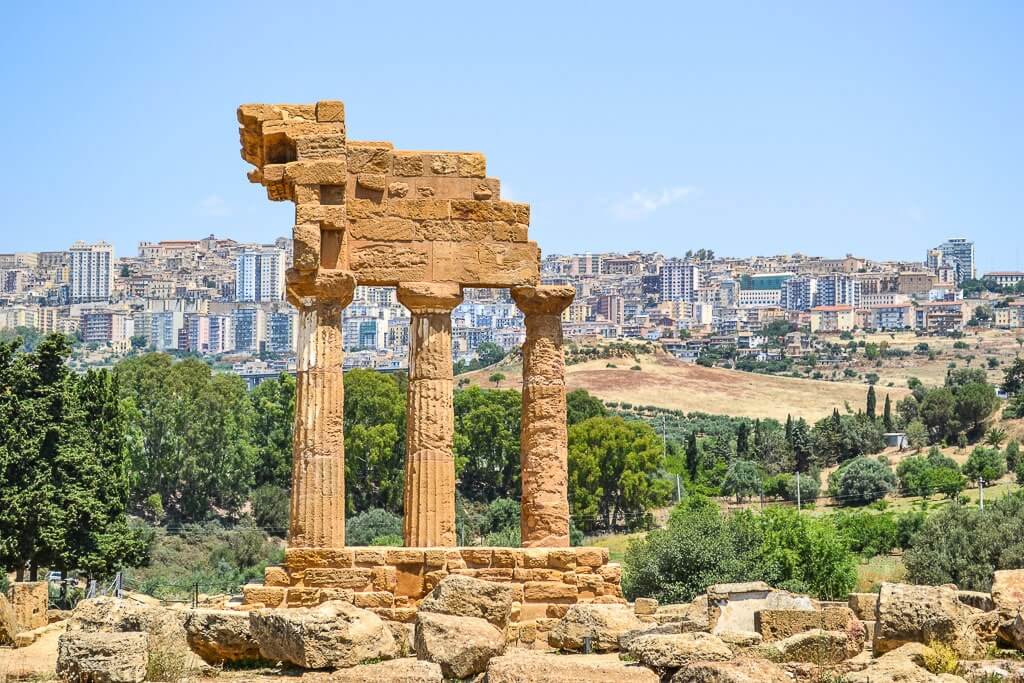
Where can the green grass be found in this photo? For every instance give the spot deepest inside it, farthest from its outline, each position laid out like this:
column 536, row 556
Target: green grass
column 881, row 568
column 616, row 543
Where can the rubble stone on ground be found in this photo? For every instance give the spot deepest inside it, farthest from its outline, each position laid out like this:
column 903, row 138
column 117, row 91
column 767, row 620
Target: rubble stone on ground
column 462, row 646
column 602, row 623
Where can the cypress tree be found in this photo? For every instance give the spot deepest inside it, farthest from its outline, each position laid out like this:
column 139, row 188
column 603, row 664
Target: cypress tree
column 871, row 402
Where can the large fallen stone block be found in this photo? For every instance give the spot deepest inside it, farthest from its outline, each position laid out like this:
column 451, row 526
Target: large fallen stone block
column 818, row 647
column 669, row 628
column 779, row 624
column 922, row 614
column 738, row 671
column 30, row 600
column 123, row 615
column 405, row 670
column 673, row 651
column 465, row 596
column 220, row 636
column 84, row 657
column 732, row 606
column 692, row 616
column 462, row 646
column 335, row 634
column 526, row 666
column 863, row 605
column 603, row 624
column 1008, row 600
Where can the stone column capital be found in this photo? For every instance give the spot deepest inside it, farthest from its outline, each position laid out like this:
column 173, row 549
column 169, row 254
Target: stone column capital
column 543, row 299
column 424, row 298
column 330, row 286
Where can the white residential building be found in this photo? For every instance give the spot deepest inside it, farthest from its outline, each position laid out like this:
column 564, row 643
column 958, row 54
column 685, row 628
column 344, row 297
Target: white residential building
column 680, row 280
column 957, row 252
column 259, row 275
column 92, row 272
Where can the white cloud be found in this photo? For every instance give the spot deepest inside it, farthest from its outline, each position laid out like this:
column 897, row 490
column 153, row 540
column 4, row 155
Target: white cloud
column 644, row 202
column 214, row 206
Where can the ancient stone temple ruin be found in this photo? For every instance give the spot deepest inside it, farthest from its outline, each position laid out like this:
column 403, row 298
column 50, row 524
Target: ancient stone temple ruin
column 429, row 224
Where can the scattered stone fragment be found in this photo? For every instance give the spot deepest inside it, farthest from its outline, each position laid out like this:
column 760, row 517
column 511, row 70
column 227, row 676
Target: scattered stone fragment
column 335, row 634
column 85, row 657
column 462, row 646
column 603, row 624
column 673, row 651
column 817, row 647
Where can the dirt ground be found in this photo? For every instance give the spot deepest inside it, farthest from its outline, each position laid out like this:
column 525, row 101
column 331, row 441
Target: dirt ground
column 37, row 662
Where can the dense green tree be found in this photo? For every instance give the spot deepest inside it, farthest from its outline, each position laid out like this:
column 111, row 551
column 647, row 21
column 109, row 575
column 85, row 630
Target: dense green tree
column 963, row 545
column 1013, row 377
column 743, row 480
column 985, row 463
column 743, row 440
column 270, row 509
column 917, row 435
column 273, row 403
column 862, row 481
column 842, row 437
column 692, row 455
column 28, row 338
column 581, row 405
column 872, row 401
column 938, row 414
column 770, row 449
column 489, row 353
column 363, row 528
column 914, row 475
column 374, row 440
column 907, row 410
column 975, row 402
column 887, row 421
column 487, row 443
column 801, row 445
column 1012, row 454
column 615, row 473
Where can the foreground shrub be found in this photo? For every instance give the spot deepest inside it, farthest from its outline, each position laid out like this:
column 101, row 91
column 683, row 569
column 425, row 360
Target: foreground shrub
column 701, row 546
column 361, row 529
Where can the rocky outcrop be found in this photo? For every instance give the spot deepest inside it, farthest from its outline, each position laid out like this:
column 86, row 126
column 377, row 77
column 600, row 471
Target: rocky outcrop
column 85, row 657
column 663, row 652
column 220, row 636
column 462, row 646
column 113, row 615
column 465, row 596
column 336, row 634
column 818, row 647
column 738, row 671
column 525, row 666
column 1008, row 600
column 922, row 614
column 405, row 670
column 603, row 624
column 8, row 627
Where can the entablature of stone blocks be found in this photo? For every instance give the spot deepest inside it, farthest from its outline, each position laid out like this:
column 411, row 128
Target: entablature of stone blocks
column 386, row 215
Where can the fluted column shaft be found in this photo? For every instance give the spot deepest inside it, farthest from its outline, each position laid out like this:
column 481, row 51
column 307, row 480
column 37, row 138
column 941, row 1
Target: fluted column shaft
column 429, row 495
column 318, row 441
column 543, row 458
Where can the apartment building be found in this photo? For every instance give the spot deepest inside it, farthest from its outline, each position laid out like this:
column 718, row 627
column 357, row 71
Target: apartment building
column 889, row 317
column 259, row 275
column 680, row 280
column 799, row 293
column 1005, row 278
column 92, row 272
column 957, row 252
column 826, row 319
column 838, row 289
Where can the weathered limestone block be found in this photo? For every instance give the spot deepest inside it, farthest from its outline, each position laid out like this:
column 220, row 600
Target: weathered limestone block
column 779, row 624
column 818, row 647
column 462, row 646
column 692, row 616
column 405, row 670
column 430, row 466
column 645, row 606
column 863, row 605
column 673, row 651
column 333, row 635
column 29, row 601
column 526, row 666
column 469, row 597
column 113, row 615
column 102, row 657
column 731, row 607
column 734, row 671
column 602, row 623
column 267, row 596
column 301, row 559
column 220, row 636
column 921, row 614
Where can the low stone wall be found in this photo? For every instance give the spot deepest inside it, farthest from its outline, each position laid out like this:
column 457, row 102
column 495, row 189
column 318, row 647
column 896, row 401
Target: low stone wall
column 779, row 624
column 391, row 581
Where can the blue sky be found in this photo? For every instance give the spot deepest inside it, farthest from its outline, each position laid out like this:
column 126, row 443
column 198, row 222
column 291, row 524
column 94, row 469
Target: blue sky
column 877, row 128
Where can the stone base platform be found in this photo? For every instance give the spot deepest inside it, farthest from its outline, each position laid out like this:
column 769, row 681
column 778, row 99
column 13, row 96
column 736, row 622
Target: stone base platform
column 392, row 581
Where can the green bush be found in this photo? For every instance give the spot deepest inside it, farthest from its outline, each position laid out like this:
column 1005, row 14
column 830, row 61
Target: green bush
column 361, row 529
column 700, row 546
column 388, row 540
column 965, row 545
column 869, row 533
column 985, row 463
column 863, row 481
column 270, row 509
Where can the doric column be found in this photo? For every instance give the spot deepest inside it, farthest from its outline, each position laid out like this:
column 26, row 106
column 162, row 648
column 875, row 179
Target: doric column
column 543, row 454
column 429, row 464
column 318, row 442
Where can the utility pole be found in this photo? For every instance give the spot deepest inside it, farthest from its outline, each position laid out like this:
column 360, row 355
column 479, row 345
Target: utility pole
column 981, row 494
column 798, row 491
column 664, row 450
